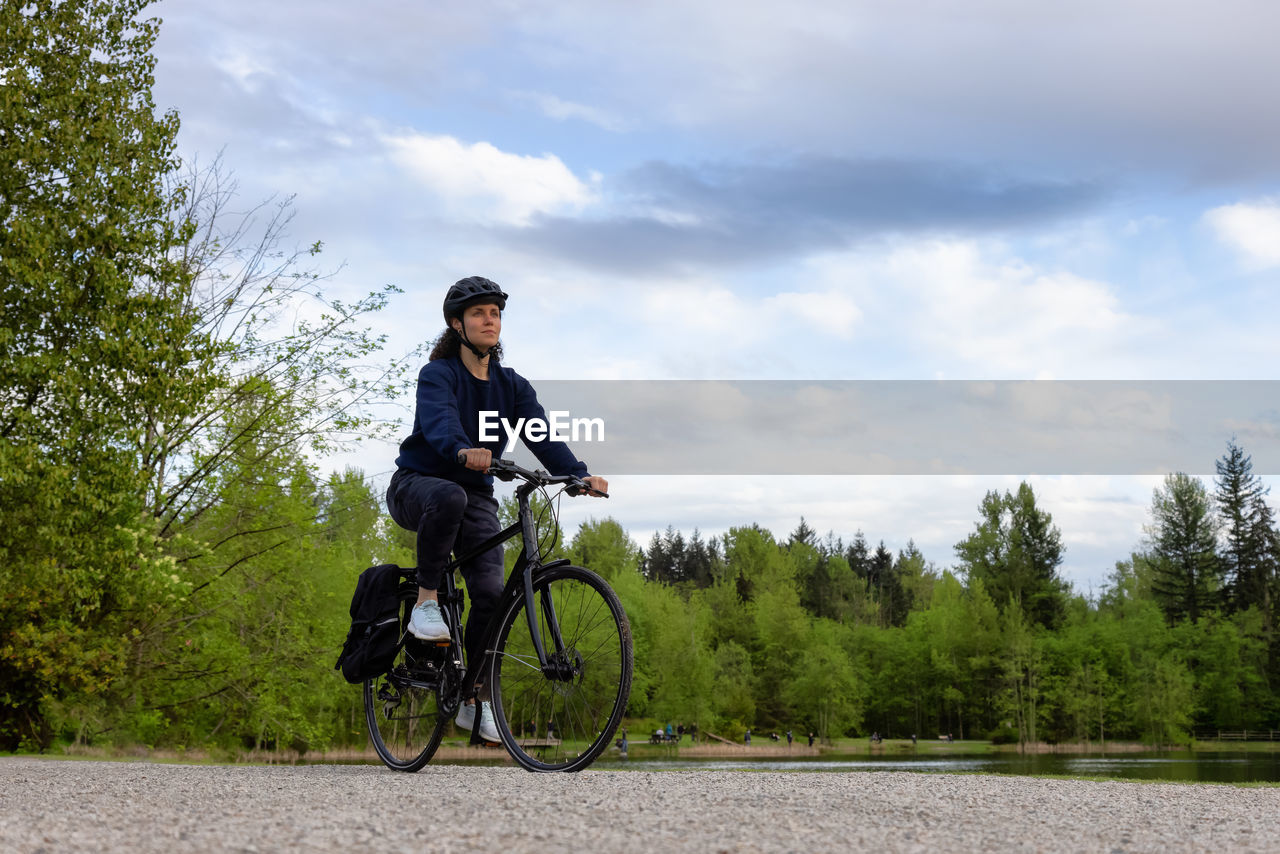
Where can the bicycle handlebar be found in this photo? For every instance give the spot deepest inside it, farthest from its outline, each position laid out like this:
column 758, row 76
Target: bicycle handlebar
column 505, row 470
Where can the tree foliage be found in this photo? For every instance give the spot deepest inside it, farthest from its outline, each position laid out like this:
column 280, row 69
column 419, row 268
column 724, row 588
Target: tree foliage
column 91, row 339
column 1015, row 551
column 165, row 369
column 1187, row 579
column 1247, row 524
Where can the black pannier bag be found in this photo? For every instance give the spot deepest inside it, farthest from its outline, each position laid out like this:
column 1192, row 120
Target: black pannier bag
column 374, row 636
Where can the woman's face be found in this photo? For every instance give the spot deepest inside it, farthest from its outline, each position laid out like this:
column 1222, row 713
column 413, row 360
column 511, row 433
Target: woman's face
column 483, row 324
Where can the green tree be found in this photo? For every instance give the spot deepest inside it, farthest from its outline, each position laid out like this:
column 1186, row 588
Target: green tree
column 679, row 659
column 92, row 337
column 733, row 700
column 1248, row 529
column 826, row 690
column 605, row 548
column 1187, row 576
column 884, row 585
column 916, row 575
column 701, row 560
column 1015, row 551
column 1023, row 668
column 1226, row 658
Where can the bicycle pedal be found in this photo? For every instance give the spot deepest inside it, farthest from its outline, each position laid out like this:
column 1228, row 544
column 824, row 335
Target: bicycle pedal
column 442, row 643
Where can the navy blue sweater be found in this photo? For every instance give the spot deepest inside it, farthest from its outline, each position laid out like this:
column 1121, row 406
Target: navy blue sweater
column 446, row 420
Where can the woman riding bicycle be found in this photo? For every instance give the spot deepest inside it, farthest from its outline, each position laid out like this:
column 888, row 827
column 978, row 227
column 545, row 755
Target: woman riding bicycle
column 450, row 504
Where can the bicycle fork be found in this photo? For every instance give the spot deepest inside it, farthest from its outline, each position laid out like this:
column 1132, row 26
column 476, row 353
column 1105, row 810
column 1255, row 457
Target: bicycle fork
column 556, row 665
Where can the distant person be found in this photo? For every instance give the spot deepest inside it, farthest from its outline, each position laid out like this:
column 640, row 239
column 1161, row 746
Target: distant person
column 680, row 732
column 913, row 739
column 693, row 733
column 811, row 739
column 668, row 732
column 788, row 738
column 748, row 736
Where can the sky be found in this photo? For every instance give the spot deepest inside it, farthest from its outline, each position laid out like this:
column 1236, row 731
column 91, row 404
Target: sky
column 811, row 190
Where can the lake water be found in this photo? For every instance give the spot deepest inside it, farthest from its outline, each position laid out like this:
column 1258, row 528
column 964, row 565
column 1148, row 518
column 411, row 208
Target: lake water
column 1200, row 766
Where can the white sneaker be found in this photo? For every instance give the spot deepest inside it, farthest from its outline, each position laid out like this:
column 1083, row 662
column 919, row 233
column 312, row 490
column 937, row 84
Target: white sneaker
column 466, row 719
column 427, row 623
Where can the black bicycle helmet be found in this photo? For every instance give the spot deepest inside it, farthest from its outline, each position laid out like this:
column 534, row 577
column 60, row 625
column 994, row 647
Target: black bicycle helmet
column 470, row 291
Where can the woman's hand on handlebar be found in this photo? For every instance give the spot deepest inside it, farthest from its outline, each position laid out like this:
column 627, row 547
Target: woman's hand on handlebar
column 599, row 486
column 476, row 459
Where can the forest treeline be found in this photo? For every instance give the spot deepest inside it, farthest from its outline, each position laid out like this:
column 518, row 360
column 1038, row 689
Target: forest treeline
column 174, row 570
column 816, row 634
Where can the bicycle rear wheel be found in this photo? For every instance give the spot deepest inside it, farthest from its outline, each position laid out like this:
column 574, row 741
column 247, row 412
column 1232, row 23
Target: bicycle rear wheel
column 402, row 706
column 574, row 710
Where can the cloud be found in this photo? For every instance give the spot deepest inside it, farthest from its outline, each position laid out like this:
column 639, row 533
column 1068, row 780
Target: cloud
column 1250, row 228
column 249, row 72
column 980, row 309
column 830, row 313
column 1104, row 87
column 1100, row 517
column 1091, row 87
column 668, row 216
column 561, row 110
column 478, row 181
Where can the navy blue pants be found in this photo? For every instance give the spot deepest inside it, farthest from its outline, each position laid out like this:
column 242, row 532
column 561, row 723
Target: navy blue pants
column 449, row 517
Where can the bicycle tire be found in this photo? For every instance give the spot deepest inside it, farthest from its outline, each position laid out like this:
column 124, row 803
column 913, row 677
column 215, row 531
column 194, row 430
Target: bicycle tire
column 401, row 706
column 587, row 702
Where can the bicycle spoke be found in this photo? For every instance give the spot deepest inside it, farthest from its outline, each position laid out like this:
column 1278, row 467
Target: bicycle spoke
column 523, row 659
column 585, row 691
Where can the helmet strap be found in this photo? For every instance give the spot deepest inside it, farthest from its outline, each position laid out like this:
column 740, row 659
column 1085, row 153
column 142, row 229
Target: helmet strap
column 462, row 333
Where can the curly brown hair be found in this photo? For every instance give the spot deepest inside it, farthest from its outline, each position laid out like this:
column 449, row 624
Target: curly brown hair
column 449, row 344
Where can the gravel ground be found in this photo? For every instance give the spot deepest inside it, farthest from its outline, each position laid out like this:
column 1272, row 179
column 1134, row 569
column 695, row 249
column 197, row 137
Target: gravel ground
column 59, row 806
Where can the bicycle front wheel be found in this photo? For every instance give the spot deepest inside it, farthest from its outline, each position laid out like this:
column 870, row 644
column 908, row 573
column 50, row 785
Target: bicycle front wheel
column 562, row 719
column 402, row 706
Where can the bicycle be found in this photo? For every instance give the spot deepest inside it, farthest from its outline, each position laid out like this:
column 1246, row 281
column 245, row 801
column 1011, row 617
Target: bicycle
column 558, row 649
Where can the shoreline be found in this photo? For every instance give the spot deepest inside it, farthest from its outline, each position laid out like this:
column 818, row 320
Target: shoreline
column 496, row 755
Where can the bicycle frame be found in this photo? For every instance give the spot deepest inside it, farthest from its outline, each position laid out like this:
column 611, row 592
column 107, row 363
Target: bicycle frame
column 520, row 580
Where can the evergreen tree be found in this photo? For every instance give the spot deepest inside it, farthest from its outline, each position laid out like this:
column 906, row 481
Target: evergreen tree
column 674, row 547
column 1187, row 575
column 832, row 545
column 916, row 577
column 884, row 583
column 698, row 561
column 804, row 534
column 1248, row 529
column 858, row 556
column 655, row 563
column 1242, row 508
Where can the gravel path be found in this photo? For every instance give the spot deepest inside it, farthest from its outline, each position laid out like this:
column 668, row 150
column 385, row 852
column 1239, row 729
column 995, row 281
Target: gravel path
column 59, row 806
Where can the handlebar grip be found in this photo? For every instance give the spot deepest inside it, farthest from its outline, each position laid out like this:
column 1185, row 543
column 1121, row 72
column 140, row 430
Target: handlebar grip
column 462, row 460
